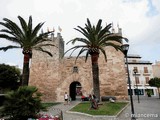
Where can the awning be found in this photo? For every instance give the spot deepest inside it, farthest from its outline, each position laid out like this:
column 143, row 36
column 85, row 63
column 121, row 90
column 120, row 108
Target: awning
column 143, row 87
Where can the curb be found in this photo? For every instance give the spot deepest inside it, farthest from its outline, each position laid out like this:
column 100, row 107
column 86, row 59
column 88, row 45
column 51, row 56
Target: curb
column 97, row 116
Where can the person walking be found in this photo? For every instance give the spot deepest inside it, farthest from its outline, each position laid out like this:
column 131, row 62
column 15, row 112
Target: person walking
column 66, row 98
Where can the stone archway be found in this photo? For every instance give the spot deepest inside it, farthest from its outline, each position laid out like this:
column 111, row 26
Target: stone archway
column 75, row 90
column 65, row 86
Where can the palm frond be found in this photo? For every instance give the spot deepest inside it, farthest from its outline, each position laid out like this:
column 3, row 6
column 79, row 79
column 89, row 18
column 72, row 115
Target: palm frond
column 80, row 40
column 87, row 53
column 37, row 28
column 7, row 31
column 9, row 38
column 47, row 44
column 41, row 38
column 80, row 52
column 89, row 23
column 12, row 26
column 45, row 51
column 104, row 53
column 117, row 38
column 30, row 24
column 37, row 41
column 104, row 31
column 69, row 41
column 82, row 31
column 72, row 52
column 75, row 47
column 98, row 27
column 117, row 47
column 9, row 47
column 112, row 37
column 23, row 24
column 44, row 35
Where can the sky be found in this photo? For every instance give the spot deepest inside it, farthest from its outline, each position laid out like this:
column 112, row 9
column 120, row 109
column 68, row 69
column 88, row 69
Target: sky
column 139, row 20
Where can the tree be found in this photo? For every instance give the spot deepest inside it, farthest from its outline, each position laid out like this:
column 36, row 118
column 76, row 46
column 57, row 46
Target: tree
column 9, row 76
column 96, row 39
column 22, row 104
column 155, row 82
column 26, row 37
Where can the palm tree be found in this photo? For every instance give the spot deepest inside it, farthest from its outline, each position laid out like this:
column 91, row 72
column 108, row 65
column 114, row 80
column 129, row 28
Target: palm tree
column 26, row 38
column 96, row 38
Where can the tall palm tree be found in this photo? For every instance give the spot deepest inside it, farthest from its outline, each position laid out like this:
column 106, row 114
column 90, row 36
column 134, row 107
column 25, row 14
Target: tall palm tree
column 96, row 39
column 25, row 37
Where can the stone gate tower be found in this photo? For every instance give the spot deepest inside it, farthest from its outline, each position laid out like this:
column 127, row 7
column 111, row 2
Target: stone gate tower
column 55, row 75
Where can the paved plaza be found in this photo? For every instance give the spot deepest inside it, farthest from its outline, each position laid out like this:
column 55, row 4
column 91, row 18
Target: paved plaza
column 147, row 109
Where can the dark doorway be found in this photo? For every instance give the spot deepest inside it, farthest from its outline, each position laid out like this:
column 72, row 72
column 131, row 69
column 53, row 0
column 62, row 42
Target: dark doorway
column 75, row 90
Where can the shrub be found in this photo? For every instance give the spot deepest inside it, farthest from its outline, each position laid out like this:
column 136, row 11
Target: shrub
column 9, row 77
column 22, row 104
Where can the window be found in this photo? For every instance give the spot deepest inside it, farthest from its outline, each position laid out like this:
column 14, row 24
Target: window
column 134, row 61
column 137, row 80
column 145, row 70
column 147, row 79
column 136, row 69
column 75, row 69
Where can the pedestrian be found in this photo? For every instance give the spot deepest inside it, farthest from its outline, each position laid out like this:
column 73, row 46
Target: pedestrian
column 66, row 98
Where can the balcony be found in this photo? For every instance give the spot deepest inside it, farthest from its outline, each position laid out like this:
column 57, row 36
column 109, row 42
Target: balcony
column 147, row 73
column 138, row 73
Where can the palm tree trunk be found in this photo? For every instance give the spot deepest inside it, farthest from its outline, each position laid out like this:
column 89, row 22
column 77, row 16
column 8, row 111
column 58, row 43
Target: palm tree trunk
column 95, row 74
column 25, row 75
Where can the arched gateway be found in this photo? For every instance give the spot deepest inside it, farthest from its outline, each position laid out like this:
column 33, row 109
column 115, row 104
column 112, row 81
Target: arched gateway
column 75, row 90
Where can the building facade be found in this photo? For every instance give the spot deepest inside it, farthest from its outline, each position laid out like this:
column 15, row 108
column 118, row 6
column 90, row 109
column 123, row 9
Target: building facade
column 156, row 69
column 56, row 75
column 140, row 73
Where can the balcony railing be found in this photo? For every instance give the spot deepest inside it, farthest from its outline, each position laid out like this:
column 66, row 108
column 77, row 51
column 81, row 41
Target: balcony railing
column 139, row 61
column 140, row 72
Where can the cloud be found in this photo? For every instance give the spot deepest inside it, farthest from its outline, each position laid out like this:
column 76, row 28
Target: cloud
column 139, row 19
column 48, row 6
column 156, row 5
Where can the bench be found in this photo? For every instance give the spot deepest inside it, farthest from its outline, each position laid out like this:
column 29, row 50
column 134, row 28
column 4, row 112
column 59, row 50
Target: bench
column 108, row 98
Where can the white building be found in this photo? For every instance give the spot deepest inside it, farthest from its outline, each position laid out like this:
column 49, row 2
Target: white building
column 139, row 80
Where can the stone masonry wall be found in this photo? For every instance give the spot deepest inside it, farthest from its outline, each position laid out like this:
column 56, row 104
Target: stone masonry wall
column 53, row 75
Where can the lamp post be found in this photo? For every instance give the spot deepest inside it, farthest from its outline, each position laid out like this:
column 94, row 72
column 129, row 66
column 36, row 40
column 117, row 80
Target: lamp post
column 135, row 71
column 125, row 48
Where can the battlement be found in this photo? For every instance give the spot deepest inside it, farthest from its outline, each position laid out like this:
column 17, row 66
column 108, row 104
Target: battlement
column 117, row 30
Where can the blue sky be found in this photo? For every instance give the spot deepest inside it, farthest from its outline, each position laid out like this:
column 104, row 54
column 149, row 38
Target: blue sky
column 139, row 20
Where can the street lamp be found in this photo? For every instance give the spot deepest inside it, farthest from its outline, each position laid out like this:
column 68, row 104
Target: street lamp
column 135, row 71
column 125, row 48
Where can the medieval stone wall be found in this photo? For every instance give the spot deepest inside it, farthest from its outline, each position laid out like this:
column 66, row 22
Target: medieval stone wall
column 113, row 75
column 53, row 75
column 44, row 70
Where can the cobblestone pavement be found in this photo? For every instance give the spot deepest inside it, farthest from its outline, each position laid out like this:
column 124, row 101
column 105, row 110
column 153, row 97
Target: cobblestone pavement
column 147, row 109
